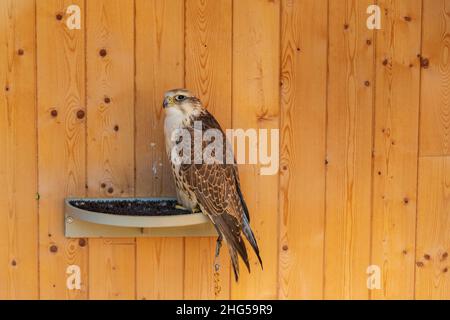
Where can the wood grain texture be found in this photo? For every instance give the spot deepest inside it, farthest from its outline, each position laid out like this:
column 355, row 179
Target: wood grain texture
column 435, row 79
column 159, row 67
column 256, row 42
column 208, row 75
column 433, row 229
column 356, row 155
column 349, row 151
column 18, row 152
column 112, row 269
column 302, row 150
column 62, row 145
column 396, row 147
column 110, row 142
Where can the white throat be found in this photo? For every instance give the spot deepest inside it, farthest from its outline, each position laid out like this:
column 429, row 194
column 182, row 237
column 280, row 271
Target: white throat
column 174, row 120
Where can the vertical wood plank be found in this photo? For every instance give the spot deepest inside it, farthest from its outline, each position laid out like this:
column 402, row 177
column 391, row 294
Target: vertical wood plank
column 396, row 147
column 256, row 40
column 433, row 229
column 349, row 150
column 435, row 79
column 208, row 75
column 62, row 147
column 110, row 144
column 112, row 269
column 18, row 151
column 159, row 67
column 302, row 150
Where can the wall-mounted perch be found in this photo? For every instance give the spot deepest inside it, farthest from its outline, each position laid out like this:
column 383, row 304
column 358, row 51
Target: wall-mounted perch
column 126, row 217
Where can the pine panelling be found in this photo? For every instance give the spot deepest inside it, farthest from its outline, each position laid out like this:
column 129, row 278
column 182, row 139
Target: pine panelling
column 18, row 151
column 208, row 75
column 112, row 269
column 349, row 150
column 110, row 158
column 435, row 81
column 256, row 43
column 81, row 115
column 396, row 147
column 302, row 149
column 62, row 145
column 433, row 229
column 159, row 67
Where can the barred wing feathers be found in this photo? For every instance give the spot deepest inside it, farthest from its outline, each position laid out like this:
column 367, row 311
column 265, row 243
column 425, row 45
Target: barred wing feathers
column 218, row 192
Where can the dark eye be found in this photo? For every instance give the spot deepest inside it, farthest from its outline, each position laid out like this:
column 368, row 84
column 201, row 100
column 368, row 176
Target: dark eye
column 180, row 97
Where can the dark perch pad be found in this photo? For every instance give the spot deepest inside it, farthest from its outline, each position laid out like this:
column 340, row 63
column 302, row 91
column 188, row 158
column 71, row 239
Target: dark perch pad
column 131, row 207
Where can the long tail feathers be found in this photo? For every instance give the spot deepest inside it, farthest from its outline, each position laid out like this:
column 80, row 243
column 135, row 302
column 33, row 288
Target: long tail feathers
column 251, row 239
column 227, row 226
column 234, row 262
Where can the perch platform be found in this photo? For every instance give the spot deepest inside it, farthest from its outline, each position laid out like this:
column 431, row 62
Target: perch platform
column 107, row 218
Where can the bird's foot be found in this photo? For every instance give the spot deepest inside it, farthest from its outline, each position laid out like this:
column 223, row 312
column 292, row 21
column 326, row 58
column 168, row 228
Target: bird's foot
column 216, row 256
column 180, row 207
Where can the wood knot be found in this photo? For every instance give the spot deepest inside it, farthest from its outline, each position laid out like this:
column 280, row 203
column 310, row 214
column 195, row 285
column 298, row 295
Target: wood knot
column 285, row 247
column 407, row 18
column 116, row 128
column 406, row 200
column 54, row 113
column 13, row 263
column 110, row 190
column 367, row 83
column 427, row 257
column 385, row 62
column 424, row 63
column 107, row 100
column 369, row 42
column 419, row 264
column 20, row 52
column 102, row 53
column 59, row 16
column 82, row 242
column 80, row 114
column 53, row 248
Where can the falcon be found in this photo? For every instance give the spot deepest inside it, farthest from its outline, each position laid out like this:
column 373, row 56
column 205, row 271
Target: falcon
column 210, row 186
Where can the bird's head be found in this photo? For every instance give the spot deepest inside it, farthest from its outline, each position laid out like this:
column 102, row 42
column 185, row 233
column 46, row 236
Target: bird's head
column 181, row 101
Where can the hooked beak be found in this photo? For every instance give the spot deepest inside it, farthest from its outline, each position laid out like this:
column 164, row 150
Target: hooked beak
column 167, row 101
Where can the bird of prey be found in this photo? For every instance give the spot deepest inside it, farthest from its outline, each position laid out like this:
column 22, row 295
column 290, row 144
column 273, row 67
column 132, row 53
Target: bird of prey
column 212, row 187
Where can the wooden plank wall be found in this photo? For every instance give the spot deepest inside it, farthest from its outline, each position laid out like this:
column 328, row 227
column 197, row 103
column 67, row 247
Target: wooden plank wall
column 364, row 118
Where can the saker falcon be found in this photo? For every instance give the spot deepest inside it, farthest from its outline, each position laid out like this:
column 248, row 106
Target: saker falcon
column 212, row 187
